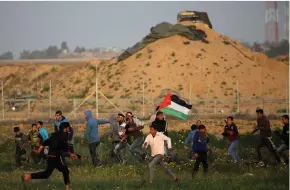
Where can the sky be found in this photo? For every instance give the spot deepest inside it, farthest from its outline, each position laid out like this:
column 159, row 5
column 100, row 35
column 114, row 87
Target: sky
column 36, row 25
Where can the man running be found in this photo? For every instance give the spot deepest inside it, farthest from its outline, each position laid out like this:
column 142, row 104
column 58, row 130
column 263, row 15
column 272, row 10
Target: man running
column 58, row 150
column 263, row 125
column 156, row 142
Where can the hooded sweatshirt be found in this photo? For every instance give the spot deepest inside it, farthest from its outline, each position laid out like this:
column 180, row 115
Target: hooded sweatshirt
column 199, row 143
column 57, row 123
column 43, row 134
column 92, row 133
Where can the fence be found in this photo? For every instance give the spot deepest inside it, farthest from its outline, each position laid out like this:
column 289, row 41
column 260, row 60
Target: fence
column 20, row 109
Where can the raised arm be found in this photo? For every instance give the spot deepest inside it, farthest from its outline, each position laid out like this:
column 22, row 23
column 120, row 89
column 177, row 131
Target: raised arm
column 102, row 121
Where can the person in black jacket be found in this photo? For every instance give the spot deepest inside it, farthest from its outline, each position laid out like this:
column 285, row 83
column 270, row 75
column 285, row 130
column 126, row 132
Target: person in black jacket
column 284, row 135
column 58, row 150
column 160, row 123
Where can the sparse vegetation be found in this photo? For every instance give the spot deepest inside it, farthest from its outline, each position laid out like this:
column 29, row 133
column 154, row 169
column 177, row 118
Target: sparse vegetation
column 77, row 81
column 174, row 61
column 93, row 68
column 186, row 42
column 148, row 64
column 53, row 70
column 223, row 83
column 173, row 54
column 216, row 64
column 138, row 55
column 46, row 89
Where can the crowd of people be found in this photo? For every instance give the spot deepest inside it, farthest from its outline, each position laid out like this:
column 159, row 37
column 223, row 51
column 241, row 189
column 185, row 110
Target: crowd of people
column 126, row 133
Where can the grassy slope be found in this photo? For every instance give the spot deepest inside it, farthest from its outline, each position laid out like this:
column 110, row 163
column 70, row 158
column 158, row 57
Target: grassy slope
column 221, row 175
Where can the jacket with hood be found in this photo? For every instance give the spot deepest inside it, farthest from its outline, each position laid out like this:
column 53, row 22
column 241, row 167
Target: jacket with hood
column 92, row 133
column 57, row 123
column 43, row 134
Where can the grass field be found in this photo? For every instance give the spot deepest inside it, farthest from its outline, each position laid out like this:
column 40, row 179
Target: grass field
column 222, row 175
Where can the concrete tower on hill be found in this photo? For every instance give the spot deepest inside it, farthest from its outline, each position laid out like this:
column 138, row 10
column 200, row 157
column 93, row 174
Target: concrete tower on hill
column 190, row 17
column 286, row 21
column 271, row 22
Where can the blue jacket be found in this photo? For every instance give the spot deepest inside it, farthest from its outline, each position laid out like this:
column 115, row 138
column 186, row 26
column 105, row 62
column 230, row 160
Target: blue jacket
column 189, row 137
column 57, row 123
column 199, row 143
column 92, row 133
column 44, row 134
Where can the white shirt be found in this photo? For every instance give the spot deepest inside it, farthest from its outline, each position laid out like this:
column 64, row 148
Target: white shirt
column 157, row 143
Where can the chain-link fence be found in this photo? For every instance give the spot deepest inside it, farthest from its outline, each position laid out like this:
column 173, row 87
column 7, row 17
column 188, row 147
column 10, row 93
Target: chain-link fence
column 22, row 109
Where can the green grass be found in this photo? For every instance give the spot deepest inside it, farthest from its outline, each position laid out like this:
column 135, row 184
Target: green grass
column 221, row 176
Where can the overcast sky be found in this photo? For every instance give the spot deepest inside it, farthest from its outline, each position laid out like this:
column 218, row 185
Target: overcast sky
column 36, row 25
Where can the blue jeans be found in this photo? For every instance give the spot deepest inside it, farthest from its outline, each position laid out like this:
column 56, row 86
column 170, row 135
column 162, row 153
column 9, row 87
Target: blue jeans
column 233, row 150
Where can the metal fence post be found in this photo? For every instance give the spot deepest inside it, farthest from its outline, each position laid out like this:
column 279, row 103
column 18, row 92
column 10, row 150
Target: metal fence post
column 28, row 108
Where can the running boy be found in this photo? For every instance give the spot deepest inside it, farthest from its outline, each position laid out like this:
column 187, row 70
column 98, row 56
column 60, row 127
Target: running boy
column 232, row 133
column 199, row 149
column 156, row 142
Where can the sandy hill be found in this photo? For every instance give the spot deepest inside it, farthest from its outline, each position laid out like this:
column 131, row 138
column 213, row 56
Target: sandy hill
column 212, row 69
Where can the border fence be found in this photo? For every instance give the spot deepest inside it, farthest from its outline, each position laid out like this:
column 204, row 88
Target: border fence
column 20, row 109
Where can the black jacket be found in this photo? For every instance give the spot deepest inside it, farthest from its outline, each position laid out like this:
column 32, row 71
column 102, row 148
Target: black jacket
column 58, row 144
column 161, row 126
column 285, row 134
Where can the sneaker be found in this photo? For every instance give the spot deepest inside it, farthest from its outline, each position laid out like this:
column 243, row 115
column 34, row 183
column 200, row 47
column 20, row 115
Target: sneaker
column 261, row 164
column 177, row 180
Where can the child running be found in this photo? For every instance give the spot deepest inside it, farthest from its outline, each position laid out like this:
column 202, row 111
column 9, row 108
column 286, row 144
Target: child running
column 156, row 142
column 199, row 149
column 232, row 133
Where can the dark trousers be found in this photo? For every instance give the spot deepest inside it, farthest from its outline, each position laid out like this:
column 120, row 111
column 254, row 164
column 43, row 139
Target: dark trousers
column 281, row 151
column 267, row 141
column 18, row 155
column 53, row 163
column 93, row 153
column 202, row 158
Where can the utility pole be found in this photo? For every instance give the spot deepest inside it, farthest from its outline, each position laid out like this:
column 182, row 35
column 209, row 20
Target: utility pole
column 3, row 103
column 97, row 93
column 50, row 99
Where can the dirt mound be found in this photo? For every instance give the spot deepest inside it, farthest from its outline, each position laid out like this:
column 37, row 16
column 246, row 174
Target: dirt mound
column 212, row 70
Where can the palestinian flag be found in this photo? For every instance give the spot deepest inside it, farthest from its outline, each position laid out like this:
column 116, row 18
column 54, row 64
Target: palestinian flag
column 173, row 105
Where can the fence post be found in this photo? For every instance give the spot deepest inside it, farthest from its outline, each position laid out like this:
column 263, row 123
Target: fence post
column 3, row 101
column 28, row 107
column 74, row 102
column 214, row 106
column 50, row 99
column 190, row 91
column 238, row 98
column 97, row 93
